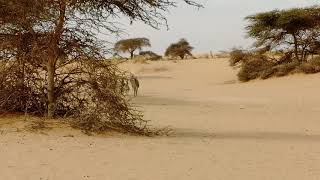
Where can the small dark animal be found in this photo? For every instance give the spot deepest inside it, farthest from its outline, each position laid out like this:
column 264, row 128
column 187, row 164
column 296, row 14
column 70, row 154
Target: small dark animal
column 134, row 84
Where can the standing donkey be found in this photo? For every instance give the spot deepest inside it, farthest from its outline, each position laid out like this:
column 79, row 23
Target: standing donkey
column 134, row 84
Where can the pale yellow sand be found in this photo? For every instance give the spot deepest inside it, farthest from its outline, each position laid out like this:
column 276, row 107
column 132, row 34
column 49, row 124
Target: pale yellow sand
column 224, row 130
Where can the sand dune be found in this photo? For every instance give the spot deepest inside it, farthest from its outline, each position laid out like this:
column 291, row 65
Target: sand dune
column 222, row 129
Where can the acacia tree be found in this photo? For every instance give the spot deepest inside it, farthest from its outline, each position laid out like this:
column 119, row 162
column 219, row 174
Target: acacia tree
column 51, row 59
column 131, row 45
column 179, row 49
column 295, row 30
column 53, row 34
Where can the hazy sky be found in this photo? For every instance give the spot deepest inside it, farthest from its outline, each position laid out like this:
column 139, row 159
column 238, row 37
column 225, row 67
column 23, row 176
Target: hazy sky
column 218, row 26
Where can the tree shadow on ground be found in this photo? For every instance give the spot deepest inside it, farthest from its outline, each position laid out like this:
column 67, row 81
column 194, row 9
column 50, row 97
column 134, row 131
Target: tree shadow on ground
column 154, row 77
column 246, row 135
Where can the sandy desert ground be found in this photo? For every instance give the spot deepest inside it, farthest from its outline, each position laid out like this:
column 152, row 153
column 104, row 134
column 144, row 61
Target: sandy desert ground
column 223, row 130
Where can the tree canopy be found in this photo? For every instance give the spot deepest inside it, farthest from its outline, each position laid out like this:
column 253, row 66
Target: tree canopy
column 50, row 54
column 131, row 45
column 179, row 49
column 296, row 30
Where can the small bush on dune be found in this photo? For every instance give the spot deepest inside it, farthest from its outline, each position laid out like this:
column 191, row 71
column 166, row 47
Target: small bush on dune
column 285, row 69
column 237, row 56
column 267, row 73
column 150, row 55
column 254, row 68
column 310, row 67
column 260, row 67
column 252, row 65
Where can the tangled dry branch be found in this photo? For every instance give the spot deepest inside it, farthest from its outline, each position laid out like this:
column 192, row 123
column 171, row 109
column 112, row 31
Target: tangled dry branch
column 92, row 93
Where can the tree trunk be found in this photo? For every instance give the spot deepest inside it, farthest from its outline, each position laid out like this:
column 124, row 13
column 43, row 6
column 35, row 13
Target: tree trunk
column 50, row 88
column 131, row 54
column 52, row 57
column 296, row 47
column 20, row 75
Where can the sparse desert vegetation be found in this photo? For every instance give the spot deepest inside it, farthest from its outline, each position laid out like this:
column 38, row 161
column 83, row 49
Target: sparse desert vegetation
column 131, row 45
column 149, row 55
column 180, row 49
column 273, row 129
column 70, row 106
column 52, row 61
column 257, row 66
column 294, row 33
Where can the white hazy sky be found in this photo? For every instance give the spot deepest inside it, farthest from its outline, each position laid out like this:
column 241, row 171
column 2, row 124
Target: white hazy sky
column 218, row 26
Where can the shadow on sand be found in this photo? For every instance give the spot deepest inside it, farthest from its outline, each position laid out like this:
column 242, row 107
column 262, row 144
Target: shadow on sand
column 154, row 77
column 242, row 135
column 151, row 100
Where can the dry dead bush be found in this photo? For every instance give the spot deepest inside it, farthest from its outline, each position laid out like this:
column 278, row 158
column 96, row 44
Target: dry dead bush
column 92, row 93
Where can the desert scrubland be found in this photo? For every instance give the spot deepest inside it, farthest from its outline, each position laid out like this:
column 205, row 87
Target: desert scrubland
column 221, row 129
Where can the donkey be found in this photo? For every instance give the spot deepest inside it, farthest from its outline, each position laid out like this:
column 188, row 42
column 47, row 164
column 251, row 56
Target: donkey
column 134, row 84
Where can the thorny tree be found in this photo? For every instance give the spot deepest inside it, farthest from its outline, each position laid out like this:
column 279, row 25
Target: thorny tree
column 131, row 45
column 51, row 45
column 296, row 31
column 180, row 49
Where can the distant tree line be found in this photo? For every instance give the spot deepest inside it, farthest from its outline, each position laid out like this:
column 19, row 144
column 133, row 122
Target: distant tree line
column 181, row 49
